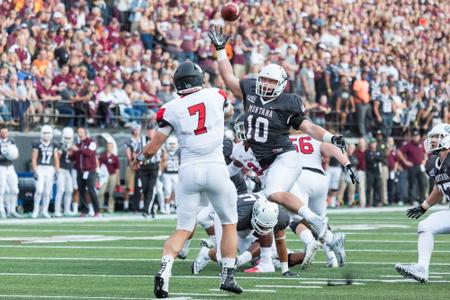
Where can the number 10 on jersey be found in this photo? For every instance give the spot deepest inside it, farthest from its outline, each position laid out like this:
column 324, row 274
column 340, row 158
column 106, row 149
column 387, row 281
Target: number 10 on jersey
column 257, row 128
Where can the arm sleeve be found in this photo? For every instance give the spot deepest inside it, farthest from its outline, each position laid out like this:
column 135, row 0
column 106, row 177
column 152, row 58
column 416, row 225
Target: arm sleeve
column 297, row 113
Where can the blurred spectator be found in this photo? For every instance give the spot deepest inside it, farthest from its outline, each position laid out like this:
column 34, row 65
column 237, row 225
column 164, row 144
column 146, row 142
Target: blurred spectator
column 393, row 166
column 362, row 98
column 384, row 171
column 110, row 161
column 373, row 177
column 383, row 108
column 360, row 154
column 345, row 183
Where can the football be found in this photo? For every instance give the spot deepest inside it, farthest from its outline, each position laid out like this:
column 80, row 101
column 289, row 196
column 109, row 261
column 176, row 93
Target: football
column 230, row 12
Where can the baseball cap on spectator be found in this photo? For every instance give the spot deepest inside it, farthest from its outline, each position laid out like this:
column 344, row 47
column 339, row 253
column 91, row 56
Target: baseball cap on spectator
column 372, row 140
column 57, row 15
column 307, row 40
column 415, row 132
column 379, row 132
column 321, row 46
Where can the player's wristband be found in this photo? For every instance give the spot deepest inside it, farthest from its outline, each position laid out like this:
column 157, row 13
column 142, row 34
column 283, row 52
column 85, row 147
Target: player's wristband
column 425, row 205
column 327, row 137
column 222, row 55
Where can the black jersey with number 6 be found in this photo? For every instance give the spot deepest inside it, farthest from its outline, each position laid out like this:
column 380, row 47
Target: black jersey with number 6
column 440, row 172
column 245, row 209
column 45, row 153
column 267, row 123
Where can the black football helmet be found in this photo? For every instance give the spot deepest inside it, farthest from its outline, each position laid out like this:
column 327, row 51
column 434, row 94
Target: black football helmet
column 188, row 78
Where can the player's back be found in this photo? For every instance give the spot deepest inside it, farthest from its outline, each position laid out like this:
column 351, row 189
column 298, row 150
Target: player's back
column 309, row 150
column 198, row 122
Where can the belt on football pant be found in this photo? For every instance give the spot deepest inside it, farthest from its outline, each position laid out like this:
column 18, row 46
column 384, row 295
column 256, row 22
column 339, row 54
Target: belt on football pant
column 314, row 170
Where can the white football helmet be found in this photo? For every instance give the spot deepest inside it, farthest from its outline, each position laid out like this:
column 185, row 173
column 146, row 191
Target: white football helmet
column 272, row 72
column 239, row 127
column 67, row 136
column 438, row 139
column 264, row 216
column 172, row 144
column 46, row 133
column 11, row 152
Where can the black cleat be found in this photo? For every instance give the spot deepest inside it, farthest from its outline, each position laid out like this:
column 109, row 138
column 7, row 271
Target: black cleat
column 227, row 282
column 158, row 290
column 289, row 274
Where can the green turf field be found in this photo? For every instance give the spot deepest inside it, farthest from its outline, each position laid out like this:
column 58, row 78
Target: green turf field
column 116, row 259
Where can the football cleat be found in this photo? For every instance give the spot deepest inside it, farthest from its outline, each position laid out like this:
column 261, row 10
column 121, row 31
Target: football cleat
column 161, row 288
column 413, row 271
column 289, row 274
column 183, row 254
column 261, row 268
column 227, row 282
column 319, row 226
column 58, row 214
column 35, row 214
column 310, row 251
column 200, row 261
column 337, row 245
column 331, row 257
column 14, row 214
column 208, row 243
column 2, row 215
column 46, row 215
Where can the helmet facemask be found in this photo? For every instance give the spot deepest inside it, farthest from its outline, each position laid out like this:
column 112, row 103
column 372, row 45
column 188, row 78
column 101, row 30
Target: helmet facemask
column 239, row 128
column 268, row 87
column 436, row 143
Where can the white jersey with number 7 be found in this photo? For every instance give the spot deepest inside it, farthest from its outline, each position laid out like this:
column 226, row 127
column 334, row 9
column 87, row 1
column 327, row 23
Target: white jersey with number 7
column 198, row 122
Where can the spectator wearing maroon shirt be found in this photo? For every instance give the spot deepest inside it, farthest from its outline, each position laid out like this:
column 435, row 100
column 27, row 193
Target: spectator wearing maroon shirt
column 87, row 175
column 188, row 44
column 110, row 161
column 412, row 155
column 361, row 170
column 392, row 163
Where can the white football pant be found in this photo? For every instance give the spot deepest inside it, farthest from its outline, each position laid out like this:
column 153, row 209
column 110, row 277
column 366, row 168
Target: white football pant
column 64, row 186
column 170, row 182
column 44, row 186
column 9, row 189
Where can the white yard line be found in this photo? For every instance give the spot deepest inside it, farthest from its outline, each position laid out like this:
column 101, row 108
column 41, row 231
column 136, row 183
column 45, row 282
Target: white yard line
column 68, row 297
column 290, row 286
column 251, row 291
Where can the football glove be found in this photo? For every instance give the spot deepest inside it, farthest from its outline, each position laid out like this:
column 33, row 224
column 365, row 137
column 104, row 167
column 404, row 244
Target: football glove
column 340, row 142
column 217, row 37
column 35, row 176
column 353, row 176
column 415, row 212
column 55, row 177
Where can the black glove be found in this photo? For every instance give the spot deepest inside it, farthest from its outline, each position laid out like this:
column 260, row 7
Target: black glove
column 415, row 212
column 55, row 177
column 35, row 176
column 217, row 37
column 353, row 176
column 339, row 141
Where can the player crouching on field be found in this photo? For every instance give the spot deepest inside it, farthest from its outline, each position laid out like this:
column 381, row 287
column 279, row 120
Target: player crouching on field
column 9, row 183
column 438, row 168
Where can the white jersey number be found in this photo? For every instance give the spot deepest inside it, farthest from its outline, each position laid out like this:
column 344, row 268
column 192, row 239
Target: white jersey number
column 257, row 132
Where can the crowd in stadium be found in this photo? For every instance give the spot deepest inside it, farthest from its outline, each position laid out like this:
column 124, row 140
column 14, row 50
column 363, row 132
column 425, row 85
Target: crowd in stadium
column 370, row 69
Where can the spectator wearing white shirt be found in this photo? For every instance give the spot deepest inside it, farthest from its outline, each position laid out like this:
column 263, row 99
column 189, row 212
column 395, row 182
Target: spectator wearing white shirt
column 257, row 57
column 128, row 114
column 104, row 100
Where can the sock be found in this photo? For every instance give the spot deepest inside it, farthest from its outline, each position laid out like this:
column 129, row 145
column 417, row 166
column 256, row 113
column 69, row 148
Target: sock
column 75, row 207
column 167, row 208
column 212, row 238
column 141, row 204
column 10, row 204
column 166, row 266
column 45, row 204
column 266, row 255
column 36, row 200
column 328, row 237
column 306, row 213
column 126, row 204
column 328, row 252
column 333, row 201
column 306, row 236
column 228, row 262
column 284, row 267
column 91, row 209
column 2, row 204
column 425, row 247
column 243, row 258
column 186, row 245
column 67, row 201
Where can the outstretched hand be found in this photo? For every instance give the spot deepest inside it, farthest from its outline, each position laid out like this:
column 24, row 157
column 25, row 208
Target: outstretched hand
column 217, row 37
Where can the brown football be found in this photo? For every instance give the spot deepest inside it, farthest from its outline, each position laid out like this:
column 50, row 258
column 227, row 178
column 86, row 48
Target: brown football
column 230, row 12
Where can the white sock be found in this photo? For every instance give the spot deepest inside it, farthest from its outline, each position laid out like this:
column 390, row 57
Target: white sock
column 328, row 252
column 67, row 201
column 186, row 245
column 91, row 209
column 228, row 262
column 243, row 258
column 75, row 207
column 212, row 238
column 126, row 204
column 306, row 236
column 266, row 255
column 167, row 207
column 45, row 204
column 306, row 213
column 141, row 204
column 425, row 247
column 166, row 266
column 284, row 267
column 2, row 204
column 36, row 200
column 333, row 201
column 10, row 203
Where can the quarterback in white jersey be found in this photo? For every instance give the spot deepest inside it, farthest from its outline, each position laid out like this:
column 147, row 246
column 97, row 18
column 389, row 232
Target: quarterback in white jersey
column 197, row 119
column 9, row 183
column 313, row 189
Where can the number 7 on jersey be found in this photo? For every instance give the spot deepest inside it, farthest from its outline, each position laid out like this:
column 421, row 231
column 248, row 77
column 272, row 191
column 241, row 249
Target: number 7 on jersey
column 201, row 111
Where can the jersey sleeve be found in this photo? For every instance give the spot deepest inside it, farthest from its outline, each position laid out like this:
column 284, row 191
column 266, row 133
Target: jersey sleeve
column 297, row 112
column 429, row 166
column 227, row 148
column 35, row 145
column 247, row 87
column 164, row 117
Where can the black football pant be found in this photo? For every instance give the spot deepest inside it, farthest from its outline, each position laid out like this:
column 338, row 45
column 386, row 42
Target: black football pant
column 373, row 188
column 147, row 184
column 86, row 188
column 417, row 184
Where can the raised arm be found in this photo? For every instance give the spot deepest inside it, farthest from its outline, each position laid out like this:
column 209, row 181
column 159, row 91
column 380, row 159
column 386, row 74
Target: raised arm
column 331, row 150
column 219, row 41
column 320, row 134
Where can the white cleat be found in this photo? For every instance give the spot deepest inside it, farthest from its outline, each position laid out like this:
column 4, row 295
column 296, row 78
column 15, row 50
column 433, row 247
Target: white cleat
column 2, row 215
column 413, row 271
column 337, row 245
column 332, row 262
column 261, row 268
column 46, row 215
column 310, row 251
column 14, row 214
column 201, row 260
column 58, row 214
column 35, row 214
column 319, row 226
column 183, row 254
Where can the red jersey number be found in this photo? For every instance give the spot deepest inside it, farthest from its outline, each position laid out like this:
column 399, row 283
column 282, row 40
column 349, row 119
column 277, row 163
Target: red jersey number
column 201, row 111
column 303, row 145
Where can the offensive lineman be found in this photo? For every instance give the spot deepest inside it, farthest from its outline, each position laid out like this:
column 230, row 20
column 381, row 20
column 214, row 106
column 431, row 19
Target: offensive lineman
column 64, row 185
column 9, row 183
column 438, row 168
column 45, row 166
column 197, row 117
column 171, row 162
column 270, row 113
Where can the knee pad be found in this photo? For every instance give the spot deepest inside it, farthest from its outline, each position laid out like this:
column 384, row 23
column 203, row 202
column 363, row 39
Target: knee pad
column 293, row 226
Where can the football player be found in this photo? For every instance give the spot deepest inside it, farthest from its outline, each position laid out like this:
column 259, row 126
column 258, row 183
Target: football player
column 45, row 166
column 313, row 186
column 437, row 168
column 197, row 118
column 269, row 115
column 171, row 162
column 9, row 183
column 64, row 185
column 257, row 218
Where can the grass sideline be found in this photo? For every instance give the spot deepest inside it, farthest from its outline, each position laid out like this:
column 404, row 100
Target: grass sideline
column 116, row 259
